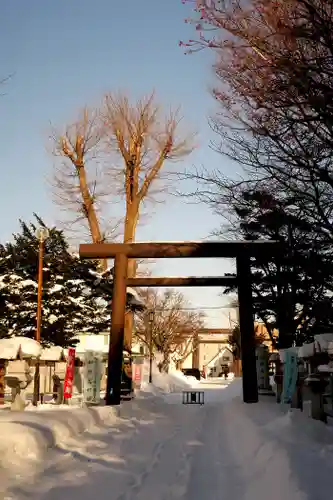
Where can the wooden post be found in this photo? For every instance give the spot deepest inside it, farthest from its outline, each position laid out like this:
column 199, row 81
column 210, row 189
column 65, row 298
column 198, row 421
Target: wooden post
column 116, row 345
column 246, row 325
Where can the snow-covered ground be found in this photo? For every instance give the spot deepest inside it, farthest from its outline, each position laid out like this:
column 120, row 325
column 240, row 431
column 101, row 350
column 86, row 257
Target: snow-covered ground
column 149, row 449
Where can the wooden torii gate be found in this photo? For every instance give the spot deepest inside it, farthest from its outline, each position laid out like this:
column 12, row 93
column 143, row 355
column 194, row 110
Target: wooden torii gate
column 121, row 252
column 197, row 341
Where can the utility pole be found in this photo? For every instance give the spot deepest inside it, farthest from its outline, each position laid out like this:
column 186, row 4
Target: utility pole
column 41, row 234
column 151, row 321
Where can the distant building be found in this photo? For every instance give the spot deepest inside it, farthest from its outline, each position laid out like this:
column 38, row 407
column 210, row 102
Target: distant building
column 100, row 343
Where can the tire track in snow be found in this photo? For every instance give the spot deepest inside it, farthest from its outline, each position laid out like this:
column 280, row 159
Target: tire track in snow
column 166, row 474
column 204, row 480
column 190, row 450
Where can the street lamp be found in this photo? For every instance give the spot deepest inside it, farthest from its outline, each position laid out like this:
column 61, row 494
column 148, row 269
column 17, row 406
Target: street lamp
column 151, row 321
column 41, row 234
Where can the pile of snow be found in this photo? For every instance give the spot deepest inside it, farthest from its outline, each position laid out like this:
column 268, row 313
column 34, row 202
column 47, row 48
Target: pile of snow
column 174, row 381
column 27, row 437
column 296, row 427
column 178, row 381
column 233, row 389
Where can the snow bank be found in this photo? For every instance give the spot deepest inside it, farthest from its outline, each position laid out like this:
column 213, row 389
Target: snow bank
column 175, row 381
column 169, row 382
column 22, row 448
column 178, row 381
column 27, row 437
column 296, row 427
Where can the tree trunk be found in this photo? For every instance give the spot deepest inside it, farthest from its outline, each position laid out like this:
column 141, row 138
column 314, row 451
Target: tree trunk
column 128, row 330
column 90, row 213
column 165, row 363
column 131, row 219
column 196, row 351
column 285, row 322
column 179, row 365
column 286, row 337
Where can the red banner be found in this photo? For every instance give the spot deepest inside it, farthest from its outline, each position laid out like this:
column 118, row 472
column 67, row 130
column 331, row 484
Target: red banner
column 137, row 373
column 68, row 384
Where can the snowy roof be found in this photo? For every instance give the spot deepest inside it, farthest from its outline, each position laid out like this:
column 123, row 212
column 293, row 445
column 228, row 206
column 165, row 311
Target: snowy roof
column 322, row 343
column 25, row 347
column 134, row 300
column 54, row 353
column 7, row 350
column 325, row 368
column 133, row 292
column 15, row 346
column 94, row 344
column 306, row 350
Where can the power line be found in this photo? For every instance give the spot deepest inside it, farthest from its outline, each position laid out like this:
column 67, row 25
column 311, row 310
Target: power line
column 211, row 308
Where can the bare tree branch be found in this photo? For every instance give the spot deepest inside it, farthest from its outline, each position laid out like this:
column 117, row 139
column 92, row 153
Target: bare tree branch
column 173, row 328
column 78, row 181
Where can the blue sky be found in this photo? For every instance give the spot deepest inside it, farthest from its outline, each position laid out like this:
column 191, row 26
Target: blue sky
column 66, row 54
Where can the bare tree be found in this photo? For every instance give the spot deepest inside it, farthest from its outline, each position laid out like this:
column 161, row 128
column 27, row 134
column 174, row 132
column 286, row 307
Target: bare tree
column 114, row 155
column 174, row 325
column 274, row 64
column 234, row 339
column 143, row 139
column 78, row 180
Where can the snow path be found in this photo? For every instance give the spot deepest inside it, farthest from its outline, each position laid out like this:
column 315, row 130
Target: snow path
column 162, row 451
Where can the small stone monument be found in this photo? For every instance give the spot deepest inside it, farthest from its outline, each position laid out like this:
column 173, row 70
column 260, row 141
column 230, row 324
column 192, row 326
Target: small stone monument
column 18, row 386
column 18, row 404
column 58, row 391
column 262, row 357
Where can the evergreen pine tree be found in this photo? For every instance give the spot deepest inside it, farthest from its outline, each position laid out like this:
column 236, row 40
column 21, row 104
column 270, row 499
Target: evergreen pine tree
column 72, row 302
